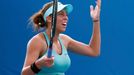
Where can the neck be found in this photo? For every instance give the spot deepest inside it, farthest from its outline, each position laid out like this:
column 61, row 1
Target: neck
column 55, row 36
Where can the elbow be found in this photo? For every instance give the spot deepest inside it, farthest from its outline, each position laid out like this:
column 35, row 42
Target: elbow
column 95, row 53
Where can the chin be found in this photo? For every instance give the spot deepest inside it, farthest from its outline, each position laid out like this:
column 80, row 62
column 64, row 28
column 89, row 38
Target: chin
column 63, row 30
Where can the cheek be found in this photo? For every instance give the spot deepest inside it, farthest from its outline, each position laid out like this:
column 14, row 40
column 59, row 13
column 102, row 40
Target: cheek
column 59, row 20
column 58, row 23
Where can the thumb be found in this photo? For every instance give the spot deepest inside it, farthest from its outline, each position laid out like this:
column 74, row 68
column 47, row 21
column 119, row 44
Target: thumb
column 51, row 59
column 91, row 8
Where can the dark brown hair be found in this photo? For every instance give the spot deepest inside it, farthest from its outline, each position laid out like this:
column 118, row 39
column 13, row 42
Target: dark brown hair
column 38, row 20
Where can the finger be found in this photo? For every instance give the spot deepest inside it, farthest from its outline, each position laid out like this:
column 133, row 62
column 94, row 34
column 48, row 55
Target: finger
column 50, row 62
column 53, row 58
column 96, row 8
column 48, row 65
column 98, row 2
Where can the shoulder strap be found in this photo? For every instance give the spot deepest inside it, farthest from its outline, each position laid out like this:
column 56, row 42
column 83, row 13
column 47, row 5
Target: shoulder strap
column 63, row 47
column 46, row 37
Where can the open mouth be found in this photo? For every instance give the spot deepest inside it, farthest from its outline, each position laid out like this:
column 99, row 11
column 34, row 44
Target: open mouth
column 64, row 24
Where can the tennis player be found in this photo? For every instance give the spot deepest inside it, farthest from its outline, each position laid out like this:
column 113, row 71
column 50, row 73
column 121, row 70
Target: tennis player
column 37, row 62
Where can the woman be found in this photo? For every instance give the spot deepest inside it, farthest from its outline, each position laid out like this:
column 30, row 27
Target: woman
column 36, row 61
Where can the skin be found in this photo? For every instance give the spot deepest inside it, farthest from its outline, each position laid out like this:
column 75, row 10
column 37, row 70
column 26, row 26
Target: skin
column 37, row 45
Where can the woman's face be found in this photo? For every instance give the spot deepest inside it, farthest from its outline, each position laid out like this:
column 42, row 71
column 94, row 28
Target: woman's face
column 62, row 20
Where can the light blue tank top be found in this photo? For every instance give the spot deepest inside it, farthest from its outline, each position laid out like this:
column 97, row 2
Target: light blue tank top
column 61, row 62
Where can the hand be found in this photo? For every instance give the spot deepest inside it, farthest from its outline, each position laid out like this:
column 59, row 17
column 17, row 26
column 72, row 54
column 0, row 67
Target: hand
column 95, row 12
column 45, row 62
column 49, row 61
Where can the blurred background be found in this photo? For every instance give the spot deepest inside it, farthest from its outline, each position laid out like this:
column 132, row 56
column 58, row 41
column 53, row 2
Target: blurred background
column 117, row 48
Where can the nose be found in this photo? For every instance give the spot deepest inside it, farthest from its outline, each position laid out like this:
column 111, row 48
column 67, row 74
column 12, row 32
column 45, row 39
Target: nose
column 65, row 17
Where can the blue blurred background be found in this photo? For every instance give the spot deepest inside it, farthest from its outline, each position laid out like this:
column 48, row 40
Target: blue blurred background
column 117, row 48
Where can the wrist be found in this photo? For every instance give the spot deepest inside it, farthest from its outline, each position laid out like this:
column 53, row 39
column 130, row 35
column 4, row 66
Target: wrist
column 38, row 64
column 97, row 20
column 34, row 68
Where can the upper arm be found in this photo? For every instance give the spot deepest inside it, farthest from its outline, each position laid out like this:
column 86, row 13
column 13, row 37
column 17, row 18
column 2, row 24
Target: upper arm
column 79, row 47
column 34, row 48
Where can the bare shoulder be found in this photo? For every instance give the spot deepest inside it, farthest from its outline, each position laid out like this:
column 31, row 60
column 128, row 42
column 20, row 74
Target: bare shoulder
column 35, row 40
column 64, row 36
column 36, row 43
column 66, row 39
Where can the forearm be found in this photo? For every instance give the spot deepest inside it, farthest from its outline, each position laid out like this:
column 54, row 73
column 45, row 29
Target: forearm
column 27, row 71
column 95, row 41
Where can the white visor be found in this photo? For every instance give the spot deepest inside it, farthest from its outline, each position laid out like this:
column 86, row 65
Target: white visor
column 67, row 7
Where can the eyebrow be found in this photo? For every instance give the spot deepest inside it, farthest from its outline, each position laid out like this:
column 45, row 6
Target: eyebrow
column 62, row 11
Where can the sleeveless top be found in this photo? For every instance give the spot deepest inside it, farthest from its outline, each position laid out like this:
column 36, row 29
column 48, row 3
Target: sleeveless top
column 61, row 61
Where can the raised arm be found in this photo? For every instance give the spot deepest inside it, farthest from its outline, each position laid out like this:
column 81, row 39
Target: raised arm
column 93, row 48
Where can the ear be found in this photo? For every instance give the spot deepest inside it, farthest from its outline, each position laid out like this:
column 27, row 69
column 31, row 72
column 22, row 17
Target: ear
column 48, row 18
